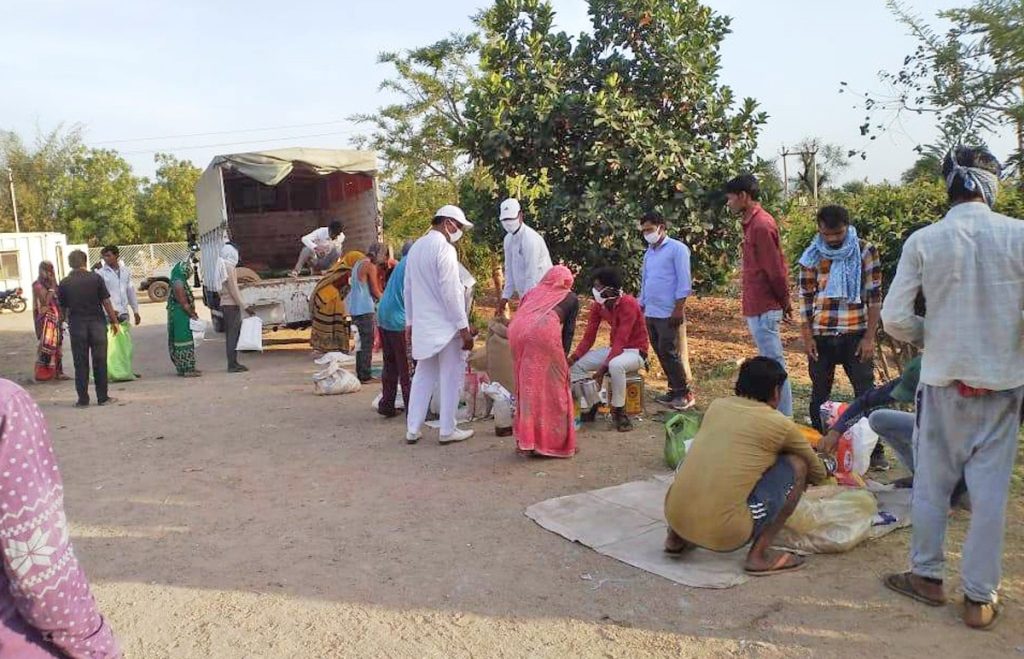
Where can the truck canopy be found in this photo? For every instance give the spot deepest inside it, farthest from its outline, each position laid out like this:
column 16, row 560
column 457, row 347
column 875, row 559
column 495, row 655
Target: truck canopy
column 270, row 168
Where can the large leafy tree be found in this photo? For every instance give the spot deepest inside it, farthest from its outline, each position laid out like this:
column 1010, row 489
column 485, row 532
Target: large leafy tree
column 605, row 125
column 969, row 77
column 167, row 205
column 41, row 177
column 101, row 199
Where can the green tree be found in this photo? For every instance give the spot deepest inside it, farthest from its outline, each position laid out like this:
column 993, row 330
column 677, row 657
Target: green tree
column 927, row 166
column 101, row 199
column 41, row 177
column 167, row 205
column 607, row 124
column 831, row 161
column 970, row 77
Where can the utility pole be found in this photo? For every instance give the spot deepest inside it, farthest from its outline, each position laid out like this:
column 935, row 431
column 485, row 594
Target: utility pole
column 14, row 200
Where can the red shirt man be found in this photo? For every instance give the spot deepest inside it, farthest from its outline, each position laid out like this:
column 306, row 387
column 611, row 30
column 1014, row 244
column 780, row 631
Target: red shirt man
column 629, row 342
column 766, row 299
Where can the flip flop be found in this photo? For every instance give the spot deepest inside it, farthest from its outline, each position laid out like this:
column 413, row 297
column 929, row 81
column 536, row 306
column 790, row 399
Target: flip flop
column 782, row 564
column 996, row 610
column 901, row 583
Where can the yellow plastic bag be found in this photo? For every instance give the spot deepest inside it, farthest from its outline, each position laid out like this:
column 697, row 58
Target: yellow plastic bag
column 829, row 520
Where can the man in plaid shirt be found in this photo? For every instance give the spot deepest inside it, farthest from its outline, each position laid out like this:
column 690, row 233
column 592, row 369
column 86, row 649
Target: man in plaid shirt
column 841, row 303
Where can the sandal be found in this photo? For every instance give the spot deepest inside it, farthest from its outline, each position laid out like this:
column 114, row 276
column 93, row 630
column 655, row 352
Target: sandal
column 982, row 616
column 781, row 564
column 901, row 583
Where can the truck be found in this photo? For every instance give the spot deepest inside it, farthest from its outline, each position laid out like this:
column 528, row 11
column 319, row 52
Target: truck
column 267, row 201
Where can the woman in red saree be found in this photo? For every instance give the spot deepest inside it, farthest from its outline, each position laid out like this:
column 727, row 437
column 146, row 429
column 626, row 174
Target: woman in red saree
column 46, row 312
column 544, row 413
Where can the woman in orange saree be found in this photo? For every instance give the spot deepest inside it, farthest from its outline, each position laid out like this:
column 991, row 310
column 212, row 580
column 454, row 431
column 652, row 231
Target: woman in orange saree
column 544, row 414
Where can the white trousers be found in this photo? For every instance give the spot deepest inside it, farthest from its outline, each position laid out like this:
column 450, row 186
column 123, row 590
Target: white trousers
column 630, row 361
column 444, row 371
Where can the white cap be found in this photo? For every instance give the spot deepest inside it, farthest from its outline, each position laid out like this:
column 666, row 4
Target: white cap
column 455, row 213
column 510, row 209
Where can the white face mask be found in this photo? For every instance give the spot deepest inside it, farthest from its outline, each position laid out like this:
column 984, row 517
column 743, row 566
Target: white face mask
column 653, row 237
column 600, row 299
column 455, row 236
column 511, row 226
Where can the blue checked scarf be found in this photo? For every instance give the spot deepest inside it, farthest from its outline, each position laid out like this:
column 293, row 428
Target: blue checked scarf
column 977, row 180
column 844, row 277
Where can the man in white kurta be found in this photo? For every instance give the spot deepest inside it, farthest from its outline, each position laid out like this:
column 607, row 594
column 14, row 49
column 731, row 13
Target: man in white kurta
column 435, row 311
column 527, row 259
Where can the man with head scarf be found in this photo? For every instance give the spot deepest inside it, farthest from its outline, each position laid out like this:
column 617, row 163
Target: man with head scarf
column 231, row 303
column 436, row 316
column 969, row 267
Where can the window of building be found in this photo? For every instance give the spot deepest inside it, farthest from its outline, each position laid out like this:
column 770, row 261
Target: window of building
column 9, row 266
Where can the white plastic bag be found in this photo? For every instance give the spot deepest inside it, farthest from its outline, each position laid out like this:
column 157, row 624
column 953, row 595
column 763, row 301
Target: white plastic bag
column 334, row 379
column 198, row 327
column 864, row 440
column 250, row 339
column 829, row 520
column 399, row 401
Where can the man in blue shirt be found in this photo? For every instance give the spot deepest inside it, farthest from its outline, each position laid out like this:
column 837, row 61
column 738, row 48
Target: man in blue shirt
column 391, row 320
column 663, row 291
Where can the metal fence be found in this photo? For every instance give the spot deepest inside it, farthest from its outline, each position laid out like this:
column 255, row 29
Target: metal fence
column 154, row 259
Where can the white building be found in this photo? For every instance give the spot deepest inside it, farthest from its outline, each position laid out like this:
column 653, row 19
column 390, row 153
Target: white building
column 21, row 254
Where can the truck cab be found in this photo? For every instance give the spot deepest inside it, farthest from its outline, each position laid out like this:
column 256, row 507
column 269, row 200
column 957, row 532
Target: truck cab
column 267, row 201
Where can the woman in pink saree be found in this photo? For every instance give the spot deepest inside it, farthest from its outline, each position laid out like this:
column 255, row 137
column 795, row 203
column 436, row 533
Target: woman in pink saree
column 46, row 606
column 544, row 414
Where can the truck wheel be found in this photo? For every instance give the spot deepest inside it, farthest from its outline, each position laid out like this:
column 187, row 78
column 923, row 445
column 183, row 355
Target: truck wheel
column 158, row 291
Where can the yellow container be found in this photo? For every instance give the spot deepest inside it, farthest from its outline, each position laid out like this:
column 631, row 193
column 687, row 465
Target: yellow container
column 634, row 395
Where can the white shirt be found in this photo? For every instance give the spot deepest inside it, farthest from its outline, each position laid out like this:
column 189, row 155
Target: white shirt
column 119, row 285
column 320, row 239
column 435, row 303
column 526, row 261
column 970, row 267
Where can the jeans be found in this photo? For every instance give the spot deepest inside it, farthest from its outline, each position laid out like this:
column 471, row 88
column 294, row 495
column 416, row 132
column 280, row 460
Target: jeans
column 232, row 328
column 838, row 350
column 629, row 361
column 364, row 358
column 89, row 338
column 896, row 429
column 765, row 330
column 669, row 342
column 976, row 437
column 396, row 370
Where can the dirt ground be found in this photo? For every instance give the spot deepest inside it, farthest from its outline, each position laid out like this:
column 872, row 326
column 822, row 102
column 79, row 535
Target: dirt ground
column 241, row 516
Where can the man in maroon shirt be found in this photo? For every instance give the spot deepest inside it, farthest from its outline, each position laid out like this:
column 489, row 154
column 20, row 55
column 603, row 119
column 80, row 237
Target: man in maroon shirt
column 629, row 342
column 766, row 300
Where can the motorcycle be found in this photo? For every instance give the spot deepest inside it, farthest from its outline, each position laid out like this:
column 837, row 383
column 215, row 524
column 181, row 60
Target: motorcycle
column 13, row 300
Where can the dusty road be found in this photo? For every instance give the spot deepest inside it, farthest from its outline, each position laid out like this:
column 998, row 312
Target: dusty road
column 241, row 516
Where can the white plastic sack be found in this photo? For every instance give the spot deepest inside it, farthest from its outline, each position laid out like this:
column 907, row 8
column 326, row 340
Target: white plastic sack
column 331, row 357
column 864, row 441
column 829, row 520
column 335, row 380
column 250, row 339
column 198, row 327
column 399, row 401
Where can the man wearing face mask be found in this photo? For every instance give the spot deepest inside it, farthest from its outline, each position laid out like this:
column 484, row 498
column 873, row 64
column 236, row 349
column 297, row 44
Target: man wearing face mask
column 629, row 343
column 526, row 255
column 841, row 302
column 664, row 288
column 435, row 315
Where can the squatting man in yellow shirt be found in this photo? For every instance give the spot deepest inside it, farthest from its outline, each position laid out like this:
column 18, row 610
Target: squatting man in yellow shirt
column 744, row 474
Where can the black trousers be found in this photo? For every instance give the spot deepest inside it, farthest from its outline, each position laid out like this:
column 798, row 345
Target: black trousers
column 840, row 350
column 232, row 329
column 665, row 340
column 367, row 327
column 89, row 338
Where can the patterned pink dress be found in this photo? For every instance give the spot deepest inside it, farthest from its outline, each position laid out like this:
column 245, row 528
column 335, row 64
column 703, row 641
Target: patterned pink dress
column 544, row 417
column 46, row 608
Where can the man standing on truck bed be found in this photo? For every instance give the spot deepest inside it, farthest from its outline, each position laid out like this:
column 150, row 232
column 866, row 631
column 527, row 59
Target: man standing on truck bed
column 323, row 247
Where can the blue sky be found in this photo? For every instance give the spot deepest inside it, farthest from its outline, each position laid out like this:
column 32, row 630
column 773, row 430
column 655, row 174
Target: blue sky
column 165, row 70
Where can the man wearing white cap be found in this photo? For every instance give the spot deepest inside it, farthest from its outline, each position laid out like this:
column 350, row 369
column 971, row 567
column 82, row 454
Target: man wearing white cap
column 435, row 312
column 526, row 255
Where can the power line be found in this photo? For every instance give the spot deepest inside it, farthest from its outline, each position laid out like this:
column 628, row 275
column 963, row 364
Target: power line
column 221, row 132
column 261, row 141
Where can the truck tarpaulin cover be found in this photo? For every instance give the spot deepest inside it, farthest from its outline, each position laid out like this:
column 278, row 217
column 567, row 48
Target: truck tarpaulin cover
column 270, row 168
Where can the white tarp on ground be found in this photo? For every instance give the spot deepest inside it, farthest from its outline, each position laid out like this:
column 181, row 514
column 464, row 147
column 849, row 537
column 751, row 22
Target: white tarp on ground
column 270, row 168
column 627, row 522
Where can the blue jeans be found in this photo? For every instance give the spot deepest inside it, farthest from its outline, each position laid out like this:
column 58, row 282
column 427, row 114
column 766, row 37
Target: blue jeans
column 765, row 330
